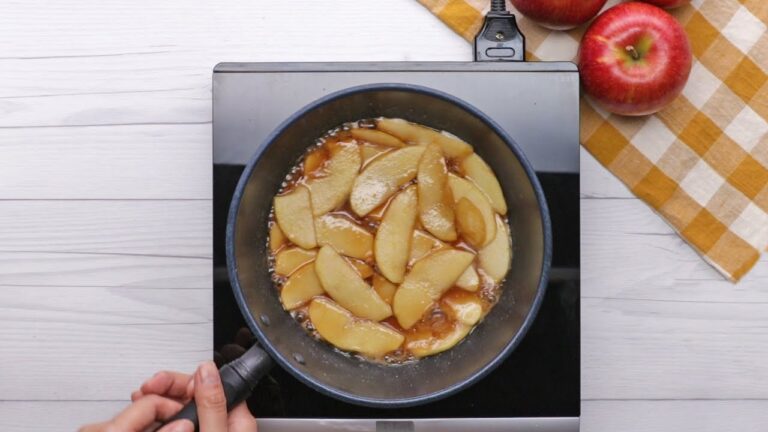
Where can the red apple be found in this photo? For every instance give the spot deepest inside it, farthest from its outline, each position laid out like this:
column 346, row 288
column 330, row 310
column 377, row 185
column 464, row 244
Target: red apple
column 668, row 4
column 559, row 14
column 634, row 59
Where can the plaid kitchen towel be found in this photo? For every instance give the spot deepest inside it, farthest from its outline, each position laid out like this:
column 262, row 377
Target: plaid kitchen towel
column 702, row 163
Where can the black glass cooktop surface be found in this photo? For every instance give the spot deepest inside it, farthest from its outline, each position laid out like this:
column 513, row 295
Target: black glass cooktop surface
column 541, row 378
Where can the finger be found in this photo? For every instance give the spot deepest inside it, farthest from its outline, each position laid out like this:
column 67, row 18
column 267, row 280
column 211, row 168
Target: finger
column 210, row 399
column 167, row 383
column 178, row 426
column 145, row 411
column 136, row 395
column 191, row 389
column 94, row 427
column 241, row 420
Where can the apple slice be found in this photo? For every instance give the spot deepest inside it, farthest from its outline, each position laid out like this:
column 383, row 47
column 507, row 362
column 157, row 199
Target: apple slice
column 330, row 191
column 474, row 168
column 346, row 237
column 470, row 223
column 435, row 202
column 374, row 136
column 428, row 344
column 300, row 287
column 393, row 238
column 314, row 160
column 469, row 280
column 462, row 188
column 423, row 244
column 369, row 152
column 496, row 258
column 364, row 270
column 293, row 213
column 342, row 282
column 452, row 146
column 288, row 260
column 463, row 307
column 429, row 278
column 383, row 177
column 344, row 331
column 276, row 237
column 384, row 288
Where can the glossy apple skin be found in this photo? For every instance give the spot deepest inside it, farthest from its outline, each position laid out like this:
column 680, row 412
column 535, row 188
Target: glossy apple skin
column 624, row 85
column 668, row 4
column 559, row 14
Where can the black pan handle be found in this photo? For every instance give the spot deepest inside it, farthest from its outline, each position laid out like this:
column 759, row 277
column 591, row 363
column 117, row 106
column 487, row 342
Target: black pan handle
column 238, row 377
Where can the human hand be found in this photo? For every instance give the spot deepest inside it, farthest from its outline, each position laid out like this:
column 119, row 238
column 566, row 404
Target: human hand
column 163, row 395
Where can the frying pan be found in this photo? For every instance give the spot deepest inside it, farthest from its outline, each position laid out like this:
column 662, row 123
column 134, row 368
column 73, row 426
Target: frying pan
column 316, row 363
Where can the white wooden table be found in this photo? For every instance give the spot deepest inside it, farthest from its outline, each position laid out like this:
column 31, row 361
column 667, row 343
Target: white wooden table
column 105, row 218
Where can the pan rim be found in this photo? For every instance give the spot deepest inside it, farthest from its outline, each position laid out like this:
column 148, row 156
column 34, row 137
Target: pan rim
column 306, row 378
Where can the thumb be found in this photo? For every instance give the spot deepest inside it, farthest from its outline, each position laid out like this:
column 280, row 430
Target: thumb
column 210, row 399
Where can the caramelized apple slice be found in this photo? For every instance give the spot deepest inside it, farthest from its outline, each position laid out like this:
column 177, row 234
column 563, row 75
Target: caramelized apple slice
column 452, row 146
column 384, row 288
column 345, row 236
column 374, row 136
column 470, row 222
column 331, row 191
column 340, row 328
column 422, row 244
column 429, row 278
column 315, row 160
column 276, row 238
column 393, row 238
column 293, row 213
column 342, row 282
column 463, row 307
column 496, row 258
column 383, row 177
column 364, row 270
column 469, row 280
column 370, row 152
column 462, row 188
column 288, row 260
column 435, row 203
column 300, row 287
column 474, row 168
column 430, row 345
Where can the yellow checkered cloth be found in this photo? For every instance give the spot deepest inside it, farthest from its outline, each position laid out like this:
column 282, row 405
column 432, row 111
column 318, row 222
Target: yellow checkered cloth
column 702, row 163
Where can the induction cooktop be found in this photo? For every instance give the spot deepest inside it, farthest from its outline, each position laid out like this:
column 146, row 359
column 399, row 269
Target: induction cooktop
column 538, row 386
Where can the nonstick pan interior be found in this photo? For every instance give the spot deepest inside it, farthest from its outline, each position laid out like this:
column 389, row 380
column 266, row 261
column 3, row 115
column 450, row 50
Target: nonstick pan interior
column 316, row 363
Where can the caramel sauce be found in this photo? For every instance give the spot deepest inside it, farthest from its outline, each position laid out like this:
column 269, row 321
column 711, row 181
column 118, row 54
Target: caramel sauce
column 437, row 322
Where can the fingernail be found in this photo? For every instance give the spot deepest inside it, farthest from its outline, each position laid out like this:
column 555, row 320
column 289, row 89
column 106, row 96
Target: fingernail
column 209, row 375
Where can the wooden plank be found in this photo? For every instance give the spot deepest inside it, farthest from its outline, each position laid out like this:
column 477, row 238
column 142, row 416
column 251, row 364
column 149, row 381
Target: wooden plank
column 145, row 30
column 100, row 305
column 156, row 68
column 657, row 416
column 120, row 162
column 629, row 252
column 55, row 416
column 169, row 228
column 72, row 358
column 658, row 322
column 597, row 416
column 104, row 270
column 639, row 349
column 597, row 182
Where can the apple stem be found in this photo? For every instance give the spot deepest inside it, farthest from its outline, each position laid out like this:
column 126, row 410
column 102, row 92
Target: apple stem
column 632, row 52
